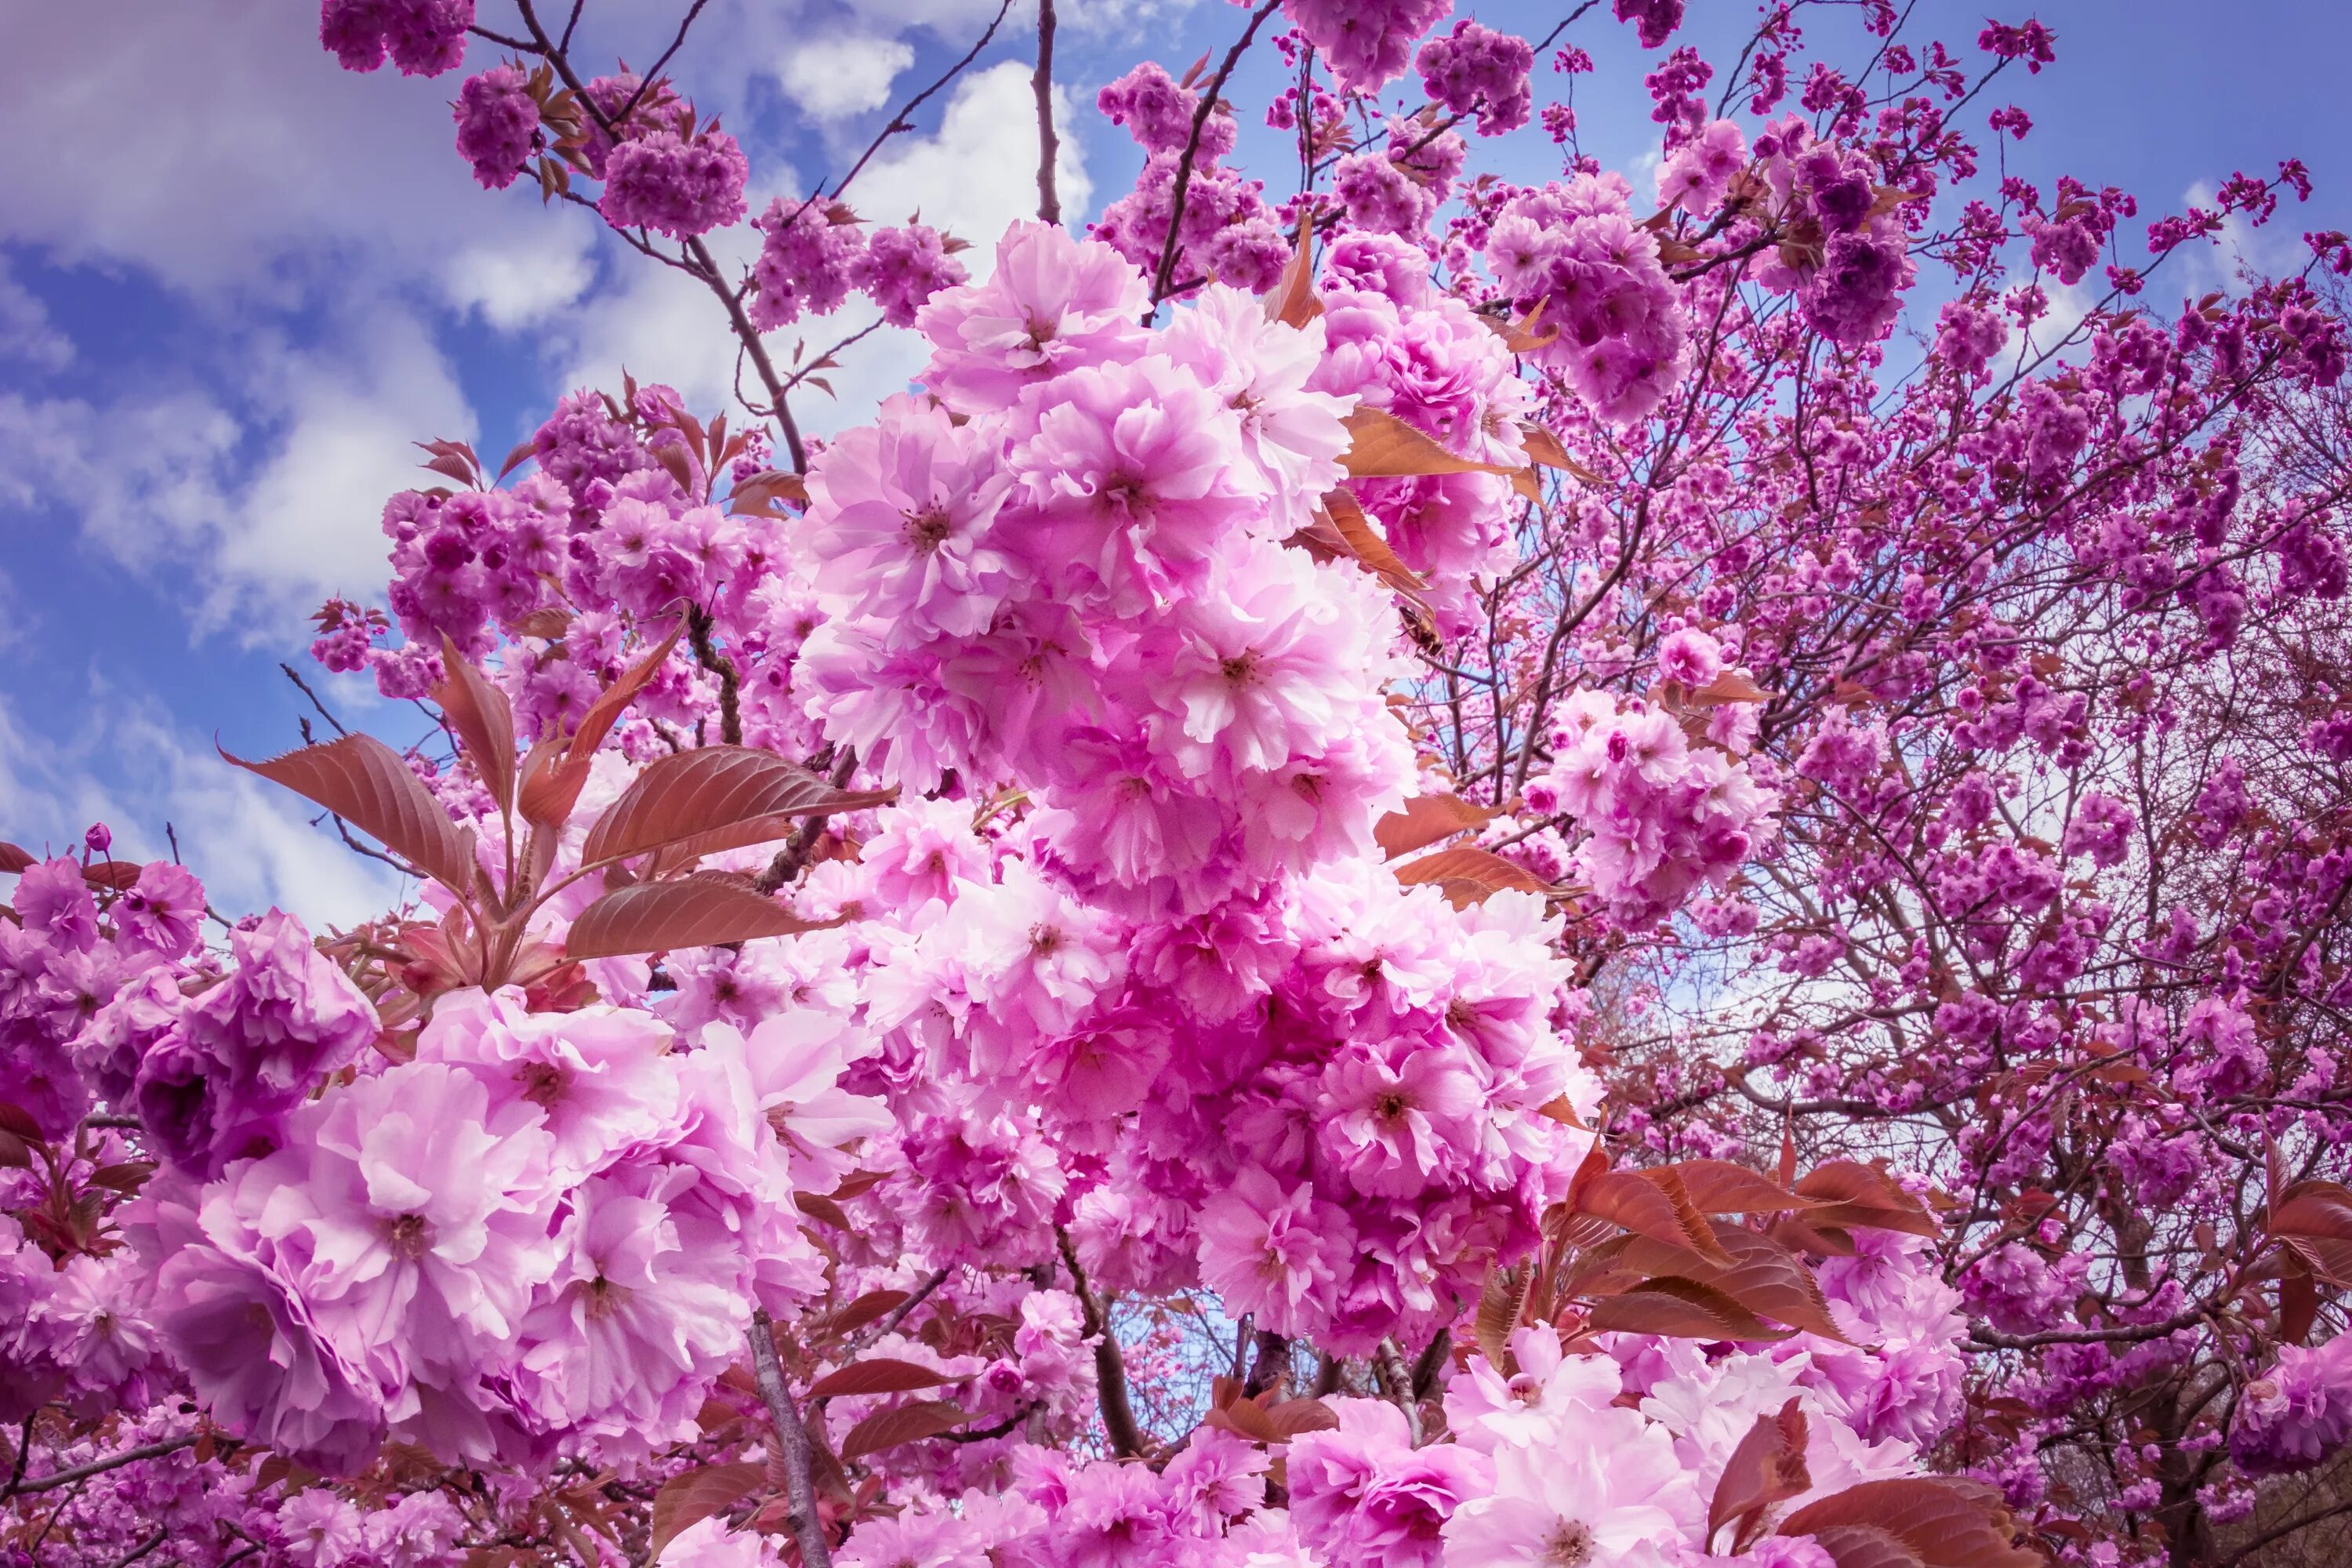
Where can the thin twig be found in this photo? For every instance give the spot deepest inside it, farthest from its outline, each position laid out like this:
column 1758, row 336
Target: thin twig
column 699, row 625
column 1209, row 96
column 645, row 84
column 1049, row 141
column 304, row 687
column 792, row 1439
column 1110, row 1366
column 789, row 860
column 100, row 1466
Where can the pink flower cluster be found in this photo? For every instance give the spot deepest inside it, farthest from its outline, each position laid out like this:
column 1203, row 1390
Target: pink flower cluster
column 1366, row 42
column 1475, row 70
column 811, row 254
column 545, row 1231
column 1064, row 566
column 1227, row 232
column 1661, row 813
column 423, row 37
column 497, row 124
column 1574, row 253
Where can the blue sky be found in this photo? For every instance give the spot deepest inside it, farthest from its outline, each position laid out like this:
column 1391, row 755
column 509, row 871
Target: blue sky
column 236, row 283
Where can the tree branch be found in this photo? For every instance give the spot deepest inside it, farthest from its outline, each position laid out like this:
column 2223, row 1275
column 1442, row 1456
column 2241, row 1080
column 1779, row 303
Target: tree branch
column 1209, row 96
column 792, row 1440
column 98, row 1467
column 1110, row 1366
column 1049, row 141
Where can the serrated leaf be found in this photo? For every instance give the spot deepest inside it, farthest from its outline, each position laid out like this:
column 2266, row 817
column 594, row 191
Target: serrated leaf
column 1654, row 1203
column 365, row 782
column 1946, row 1522
column 904, row 1423
column 2314, row 1218
column 1544, row 447
column 1359, row 538
column 713, row 798
column 1681, row 1308
column 1848, row 1194
column 1864, row 1546
column 693, row 912
column 551, row 788
column 1385, row 447
column 1467, row 876
column 877, row 1375
column 872, row 1307
column 1729, row 685
column 483, row 719
column 685, row 1500
column 1718, row 1186
column 1426, row 819
column 1768, row 1466
column 1292, row 300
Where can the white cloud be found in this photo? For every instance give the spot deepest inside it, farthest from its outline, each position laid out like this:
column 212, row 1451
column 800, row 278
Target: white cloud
column 522, row 279
column 262, row 166
column 835, row 77
column 135, row 770
column 26, row 334
column 262, row 516
column 975, row 176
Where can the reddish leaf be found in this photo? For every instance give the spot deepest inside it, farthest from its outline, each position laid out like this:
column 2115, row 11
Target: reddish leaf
column 1763, row 1275
column 549, row 624
column 15, row 857
column 872, row 1307
column 14, row 1119
column 2314, row 1218
column 1467, row 876
column 484, row 721
column 1366, row 544
column 1847, row 1194
column 816, row 1205
column 1864, row 1546
column 365, row 782
column 2298, row 1301
column 1768, row 1466
column 687, row 1499
column 1683, row 1307
column 1426, row 819
column 906, row 1424
column 1654, row 1203
column 115, row 875
column 1729, row 687
column 1385, row 447
column 1520, row 336
column 1945, row 1523
column 880, row 1375
column 518, row 457
column 551, row 788
column 1501, row 1304
column 715, row 797
column 1292, row 299
column 694, row 911
column 1718, row 1186
column 763, row 495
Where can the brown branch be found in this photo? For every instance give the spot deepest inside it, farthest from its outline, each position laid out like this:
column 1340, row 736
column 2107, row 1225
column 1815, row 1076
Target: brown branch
column 304, row 687
column 792, row 1441
column 1049, row 141
column 99, row 1467
column 699, row 625
column 645, row 84
column 789, row 860
column 1388, row 1366
column 1110, row 1366
column 1209, row 96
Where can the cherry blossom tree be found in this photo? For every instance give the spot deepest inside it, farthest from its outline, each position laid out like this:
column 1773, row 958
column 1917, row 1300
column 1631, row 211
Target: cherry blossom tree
column 1407, row 869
